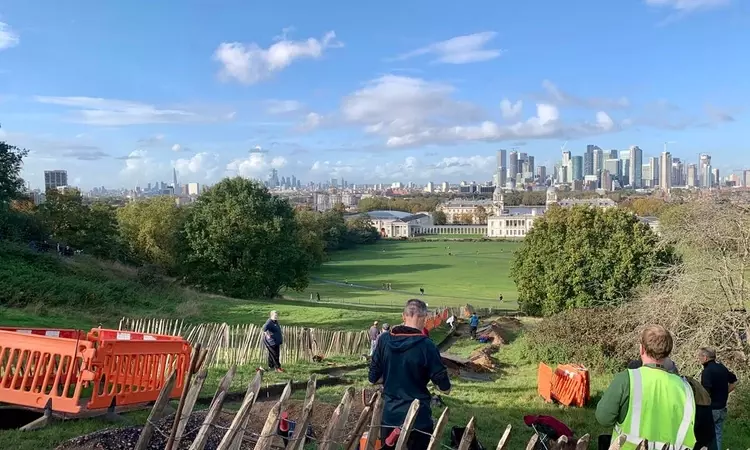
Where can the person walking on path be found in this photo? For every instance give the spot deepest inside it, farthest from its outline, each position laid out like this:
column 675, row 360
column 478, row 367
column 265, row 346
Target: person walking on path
column 473, row 325
column 373, row 333
column 650, row 403
column 273, row 339
column 405, row 362
column 719, row 382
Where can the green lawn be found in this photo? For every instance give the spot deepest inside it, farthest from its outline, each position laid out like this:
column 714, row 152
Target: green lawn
column 451, row 273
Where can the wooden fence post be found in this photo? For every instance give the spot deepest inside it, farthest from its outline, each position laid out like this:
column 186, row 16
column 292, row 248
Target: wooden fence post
column 340, row 414
column 161, row 402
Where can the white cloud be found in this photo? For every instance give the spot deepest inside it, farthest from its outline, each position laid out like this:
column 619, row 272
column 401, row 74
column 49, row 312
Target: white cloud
column 140, row 166
column 411, row 112
column 109, row 112
column 686, row 6
column 256, row 165
column 202, row 165
column 283, row 106
column 8, row 37
column 312, row 121
column 511, row 110
column 561, row 98
column 398, row 104
column 459, row 50
column 176, row 148
column 250, row 63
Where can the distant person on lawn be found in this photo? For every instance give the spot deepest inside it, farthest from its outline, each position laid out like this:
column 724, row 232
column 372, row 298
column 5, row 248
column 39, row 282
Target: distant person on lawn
column 405, row 362
column 373, row 333
column 272, row 339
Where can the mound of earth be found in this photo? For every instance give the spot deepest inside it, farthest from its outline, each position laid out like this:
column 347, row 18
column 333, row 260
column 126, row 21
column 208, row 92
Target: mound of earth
column 126, row 438
column 482, row 360
column 501, row 331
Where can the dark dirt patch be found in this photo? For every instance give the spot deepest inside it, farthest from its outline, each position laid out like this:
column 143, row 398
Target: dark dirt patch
column 126, row 438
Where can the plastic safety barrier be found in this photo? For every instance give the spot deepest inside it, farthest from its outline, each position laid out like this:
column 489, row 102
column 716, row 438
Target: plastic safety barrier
column 80, row 371
column 568, row 384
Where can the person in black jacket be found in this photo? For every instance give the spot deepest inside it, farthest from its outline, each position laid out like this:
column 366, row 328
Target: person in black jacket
column 405, row 361
column 272, row 339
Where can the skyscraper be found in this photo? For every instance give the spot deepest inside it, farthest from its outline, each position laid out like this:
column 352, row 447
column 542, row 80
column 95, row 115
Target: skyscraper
column 577, row 165
column 652, row 179
column 541, row 172
column 636, row 167
column 613, row 154
column 588, row 160
column 665, row 169
column 530, row 164
column 502, row 168
column 678, row 172
column 513, row 166
column 692, row 175
column 614, row 167
column 54, row 179
column 598, row 161
column 704, row 175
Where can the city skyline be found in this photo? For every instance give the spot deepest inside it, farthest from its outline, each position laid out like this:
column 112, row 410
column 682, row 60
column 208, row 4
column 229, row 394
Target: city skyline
column 344, row 95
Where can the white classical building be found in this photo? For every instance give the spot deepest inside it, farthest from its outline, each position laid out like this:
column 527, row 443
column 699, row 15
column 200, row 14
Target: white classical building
column 515, row 221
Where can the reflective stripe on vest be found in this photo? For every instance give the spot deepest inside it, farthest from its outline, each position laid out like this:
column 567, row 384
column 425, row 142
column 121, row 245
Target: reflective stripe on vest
column 633, row 434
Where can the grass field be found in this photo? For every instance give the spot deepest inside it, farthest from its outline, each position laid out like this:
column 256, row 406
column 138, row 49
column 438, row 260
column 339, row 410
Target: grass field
column 451, row 273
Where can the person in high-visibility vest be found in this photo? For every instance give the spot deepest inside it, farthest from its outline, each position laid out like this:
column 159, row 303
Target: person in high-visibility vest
column 650, row 403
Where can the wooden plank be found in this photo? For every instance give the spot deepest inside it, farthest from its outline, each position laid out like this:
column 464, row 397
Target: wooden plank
column 618, row 443
column 300, row 430
column 213, row 413
column 155, row 414
column 252, row 392
column 583, row 443
column 377, row 416
column 468, row 436
column 411, row 416
column 438, row 432
column 190, row 400
column 185, row 391
column 535, row 438
column 340, row 414
column 240, row 418
column 501, row 445
column 352, row 441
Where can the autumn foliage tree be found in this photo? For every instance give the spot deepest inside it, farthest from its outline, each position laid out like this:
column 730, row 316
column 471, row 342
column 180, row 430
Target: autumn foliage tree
column 583, row 257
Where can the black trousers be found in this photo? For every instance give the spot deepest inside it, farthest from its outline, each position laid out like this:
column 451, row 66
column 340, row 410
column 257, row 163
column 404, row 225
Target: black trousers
column 473, row 331
column 274, row 357
column 419, row 439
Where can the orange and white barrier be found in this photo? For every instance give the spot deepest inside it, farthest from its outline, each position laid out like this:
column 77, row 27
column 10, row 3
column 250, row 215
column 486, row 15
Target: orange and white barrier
column 41, row 365
column 568, row 384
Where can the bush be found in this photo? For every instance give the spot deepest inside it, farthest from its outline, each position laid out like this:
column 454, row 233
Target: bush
column 149, row 275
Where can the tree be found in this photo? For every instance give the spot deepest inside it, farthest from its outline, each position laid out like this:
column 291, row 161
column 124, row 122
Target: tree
column 646, row 206
column 466, row 218
column 439, row 218
column 362, row 231
column 151, row 231
column 11, row 161
column 481, row 215
column 310, row 234
column 586, row 257
column 244, row 242
column 92, row 229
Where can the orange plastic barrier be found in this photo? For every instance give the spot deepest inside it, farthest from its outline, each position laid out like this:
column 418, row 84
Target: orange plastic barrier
column 41, row 365
column 436, row 320
column 569, row 384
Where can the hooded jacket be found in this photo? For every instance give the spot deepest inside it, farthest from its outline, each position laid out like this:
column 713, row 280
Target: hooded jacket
column 407, row 361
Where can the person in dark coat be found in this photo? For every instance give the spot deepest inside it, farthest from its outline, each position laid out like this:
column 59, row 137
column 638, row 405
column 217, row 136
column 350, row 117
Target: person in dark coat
column 273, row 339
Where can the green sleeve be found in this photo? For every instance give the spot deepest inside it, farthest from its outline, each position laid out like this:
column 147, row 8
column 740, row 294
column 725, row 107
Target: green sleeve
column 613, row 406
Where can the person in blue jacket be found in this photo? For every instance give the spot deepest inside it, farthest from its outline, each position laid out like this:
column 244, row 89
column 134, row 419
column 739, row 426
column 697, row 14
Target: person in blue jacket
column 405, row 361
column 272, row 339
column 473, row 325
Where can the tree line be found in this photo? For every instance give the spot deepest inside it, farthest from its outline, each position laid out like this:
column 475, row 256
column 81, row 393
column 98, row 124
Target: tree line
column 236, row 239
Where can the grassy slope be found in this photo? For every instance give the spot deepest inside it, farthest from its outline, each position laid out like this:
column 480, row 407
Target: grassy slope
column 82, row 292
column 476, row 272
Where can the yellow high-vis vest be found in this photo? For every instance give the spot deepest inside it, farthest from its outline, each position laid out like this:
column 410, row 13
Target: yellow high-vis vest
column 661, row 410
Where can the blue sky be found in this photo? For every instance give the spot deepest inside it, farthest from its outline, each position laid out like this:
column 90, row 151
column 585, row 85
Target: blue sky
column 119, row 93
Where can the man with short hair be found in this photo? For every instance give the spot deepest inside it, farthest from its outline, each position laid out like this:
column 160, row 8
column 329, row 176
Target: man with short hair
column 649, row 403
column 373, row 333
column 405, row 362
column 719, row 382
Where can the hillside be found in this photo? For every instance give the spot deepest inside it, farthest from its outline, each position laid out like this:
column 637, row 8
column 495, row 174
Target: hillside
column 46, row 290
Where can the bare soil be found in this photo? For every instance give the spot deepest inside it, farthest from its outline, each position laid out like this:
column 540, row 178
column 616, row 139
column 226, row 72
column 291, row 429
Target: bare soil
column 126, row 438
